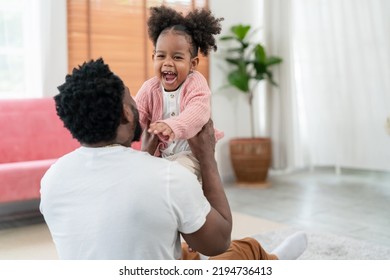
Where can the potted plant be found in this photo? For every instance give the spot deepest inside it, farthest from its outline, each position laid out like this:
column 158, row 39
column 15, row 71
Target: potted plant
column 251, row 157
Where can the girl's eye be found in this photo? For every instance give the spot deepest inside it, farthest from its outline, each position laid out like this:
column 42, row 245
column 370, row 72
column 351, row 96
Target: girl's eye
column 177, row 57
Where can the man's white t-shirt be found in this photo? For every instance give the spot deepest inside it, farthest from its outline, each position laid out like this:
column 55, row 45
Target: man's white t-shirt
column 119, row 203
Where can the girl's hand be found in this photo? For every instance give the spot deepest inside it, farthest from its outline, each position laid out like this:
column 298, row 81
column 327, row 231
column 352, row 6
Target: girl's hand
column 163, row 130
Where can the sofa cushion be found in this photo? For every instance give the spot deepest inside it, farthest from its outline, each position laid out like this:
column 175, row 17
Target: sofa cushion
column 21, row 180
column 31, row 130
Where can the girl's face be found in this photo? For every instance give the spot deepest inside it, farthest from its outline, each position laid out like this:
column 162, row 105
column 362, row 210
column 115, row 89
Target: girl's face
column 172, row 60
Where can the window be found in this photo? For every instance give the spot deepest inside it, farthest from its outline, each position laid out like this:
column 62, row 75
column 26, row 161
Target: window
column 12, row 56
column 27, row 45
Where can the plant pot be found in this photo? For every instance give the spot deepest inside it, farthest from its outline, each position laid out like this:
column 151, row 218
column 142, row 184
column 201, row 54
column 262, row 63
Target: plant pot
column 251, row 160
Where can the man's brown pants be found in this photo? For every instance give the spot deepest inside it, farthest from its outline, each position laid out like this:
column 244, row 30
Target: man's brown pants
column 242, row 249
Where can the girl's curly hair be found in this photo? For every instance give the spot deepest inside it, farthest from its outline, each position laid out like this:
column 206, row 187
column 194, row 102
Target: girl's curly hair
column 200, row 26
column 90, row 102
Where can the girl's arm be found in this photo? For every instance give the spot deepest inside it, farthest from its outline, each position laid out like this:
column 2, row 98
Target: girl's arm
column 195, row 108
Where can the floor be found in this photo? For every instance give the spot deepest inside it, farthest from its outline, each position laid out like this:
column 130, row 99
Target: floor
column 354, row 204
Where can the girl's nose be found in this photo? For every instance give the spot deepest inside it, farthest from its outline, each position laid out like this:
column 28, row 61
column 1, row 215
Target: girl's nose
column 168, row 61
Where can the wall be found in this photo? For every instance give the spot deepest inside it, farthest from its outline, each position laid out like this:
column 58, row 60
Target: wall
column 229, row 107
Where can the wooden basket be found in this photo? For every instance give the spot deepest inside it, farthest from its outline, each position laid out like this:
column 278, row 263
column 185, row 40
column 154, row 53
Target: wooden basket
column 251, row 159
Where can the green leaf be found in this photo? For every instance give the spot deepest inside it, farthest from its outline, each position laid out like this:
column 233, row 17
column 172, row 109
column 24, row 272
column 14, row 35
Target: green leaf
column 226, row 38
column 242, row 66
column 260, row 54
column 237, row 50
column 235, row 61
column 244, row 45
column 240, row 31
column 271, row 60
column 239, row 80
column 270, row 78
column 260, row 68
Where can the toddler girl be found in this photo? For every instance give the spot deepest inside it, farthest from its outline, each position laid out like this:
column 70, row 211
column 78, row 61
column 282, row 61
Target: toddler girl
column 175, row 104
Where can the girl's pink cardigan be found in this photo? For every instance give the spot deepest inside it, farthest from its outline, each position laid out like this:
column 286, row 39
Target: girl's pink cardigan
column 195, row 108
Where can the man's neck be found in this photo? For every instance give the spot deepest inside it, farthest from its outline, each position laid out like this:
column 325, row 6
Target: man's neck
column 101, row 145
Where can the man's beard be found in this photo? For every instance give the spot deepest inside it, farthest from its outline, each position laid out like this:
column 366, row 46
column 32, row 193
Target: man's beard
column 138, row 128
column 137, row 132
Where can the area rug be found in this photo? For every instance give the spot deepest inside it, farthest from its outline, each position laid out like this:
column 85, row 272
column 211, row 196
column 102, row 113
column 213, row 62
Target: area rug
column 325, row 246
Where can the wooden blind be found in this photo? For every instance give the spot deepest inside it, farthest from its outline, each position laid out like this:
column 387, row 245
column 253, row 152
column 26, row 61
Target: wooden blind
column 116, row 30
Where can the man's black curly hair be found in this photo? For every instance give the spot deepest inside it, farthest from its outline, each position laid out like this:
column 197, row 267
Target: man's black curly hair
column 90, row 102
column 200, row 26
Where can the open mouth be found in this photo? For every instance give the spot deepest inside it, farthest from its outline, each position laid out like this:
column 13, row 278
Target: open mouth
column 169, row 76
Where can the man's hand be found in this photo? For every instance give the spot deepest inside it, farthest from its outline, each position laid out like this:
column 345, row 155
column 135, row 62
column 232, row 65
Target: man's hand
column 149, row 142
column 203, row 144
column 162, row 129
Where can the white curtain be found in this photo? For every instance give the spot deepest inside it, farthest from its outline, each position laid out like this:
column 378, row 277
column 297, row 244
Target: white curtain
column 334, row 95
column 55, row 45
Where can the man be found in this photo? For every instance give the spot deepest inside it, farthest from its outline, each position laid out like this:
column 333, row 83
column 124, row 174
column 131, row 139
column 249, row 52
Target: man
column 107, row 201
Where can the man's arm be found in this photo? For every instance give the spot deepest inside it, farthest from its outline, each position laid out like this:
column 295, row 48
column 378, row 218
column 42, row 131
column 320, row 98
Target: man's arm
column 214, row 236
column 149, row 142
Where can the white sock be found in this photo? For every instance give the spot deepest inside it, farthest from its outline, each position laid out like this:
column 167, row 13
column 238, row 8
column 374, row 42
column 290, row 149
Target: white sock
column 292, row 247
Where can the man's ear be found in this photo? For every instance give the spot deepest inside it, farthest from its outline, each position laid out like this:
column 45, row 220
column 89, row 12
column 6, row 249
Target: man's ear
column 127, row 115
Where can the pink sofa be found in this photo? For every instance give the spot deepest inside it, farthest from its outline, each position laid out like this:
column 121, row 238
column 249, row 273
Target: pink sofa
column 32, row 137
